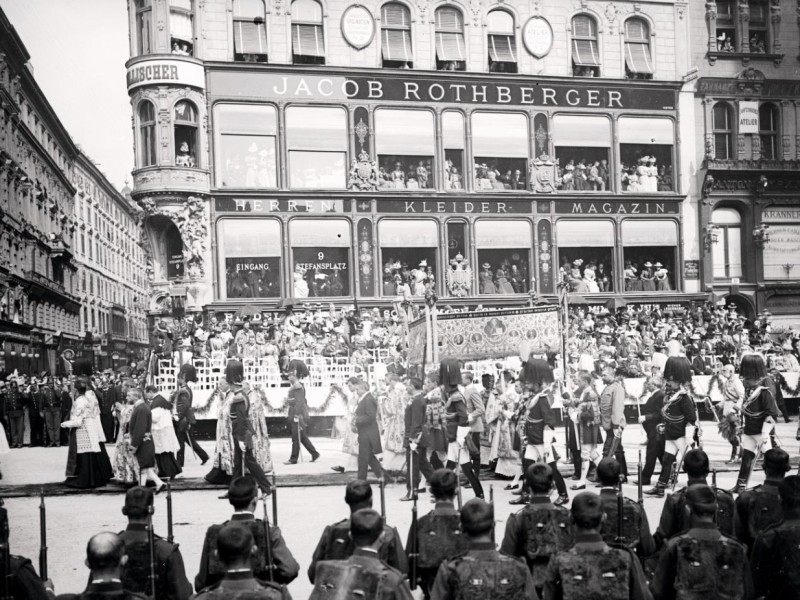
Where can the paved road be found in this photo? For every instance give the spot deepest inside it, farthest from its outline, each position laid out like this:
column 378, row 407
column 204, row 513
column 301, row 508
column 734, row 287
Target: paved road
column 303, row 512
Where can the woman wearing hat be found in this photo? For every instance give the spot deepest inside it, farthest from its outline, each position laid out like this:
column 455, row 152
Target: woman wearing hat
column 646, row 278
column 486, row 280
column 661, row 277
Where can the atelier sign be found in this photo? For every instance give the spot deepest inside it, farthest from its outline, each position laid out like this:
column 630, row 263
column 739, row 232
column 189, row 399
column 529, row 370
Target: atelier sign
column 538, row 36
column 617, row 208
column 454, row 206
column 358, row 26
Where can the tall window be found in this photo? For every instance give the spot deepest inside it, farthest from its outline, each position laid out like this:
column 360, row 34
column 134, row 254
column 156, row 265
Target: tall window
column 147, row 135
column 727, row 252
column 451, row 51
column 246, row 146
column 768, row 130
column 409, row 249
column 500, row 151
column 583, row 146
column 181, row 27
column 726, row 26
column 638, row 59
column 396, row 36
column 185, row 125
column 646, row 150
column 585, row 253
column 144, row 13
column 308, row 43
column 502, row 42
column 453, row 143
column 723, row 131
column 316, row 137
column 321, row 256
column 650, row 252
column 404, row 140
column 503, row 256
column 757, row 27
column 585, row 49
column 250, row 257
column 249, row 31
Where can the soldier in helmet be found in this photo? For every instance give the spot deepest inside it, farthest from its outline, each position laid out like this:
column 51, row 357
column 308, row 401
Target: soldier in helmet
column 51, row 407
column 363, row 572
column 171, row 581
column 336, row 543
column 591, row 568
column 234, row 548
column 702, row 562
column 482, row 571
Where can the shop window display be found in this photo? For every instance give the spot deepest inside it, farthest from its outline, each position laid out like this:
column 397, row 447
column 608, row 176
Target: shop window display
column 246, row 146
column 185, row 126
column 650, row 255
column 250, row 257
column 500, row 151
column 503, row 256
column 404, row 140
column 646, row 149
column 408, row 255
column 321, row 257
column 583, row 145
column 317, row 143
column 585, row 255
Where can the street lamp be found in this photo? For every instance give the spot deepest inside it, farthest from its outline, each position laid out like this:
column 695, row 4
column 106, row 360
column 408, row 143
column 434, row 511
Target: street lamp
column 710, row 236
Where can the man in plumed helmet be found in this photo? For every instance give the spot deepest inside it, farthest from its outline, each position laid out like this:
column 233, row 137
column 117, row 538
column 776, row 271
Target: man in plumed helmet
column 185, row 414
column 298, row 416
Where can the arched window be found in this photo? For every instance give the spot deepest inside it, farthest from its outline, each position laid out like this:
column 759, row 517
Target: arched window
column 758, row 42
column 726, row 26
column 638, row 59
column 308, row 42
column 396, row 36
column 727, row 252
column 585, row 49
column 181, row 27
column 185, row 126
column 147, row 134
column 768, row 130
column 451, row 51
column 722, row 125
column 502, row 42
column 249, row 31
column 144, row 13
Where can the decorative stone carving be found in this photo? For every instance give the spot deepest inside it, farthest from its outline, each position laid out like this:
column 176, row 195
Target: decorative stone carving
column 750, row 81
column 363, row 174
column 475, row 7
column 611, row 12
column 543, row 175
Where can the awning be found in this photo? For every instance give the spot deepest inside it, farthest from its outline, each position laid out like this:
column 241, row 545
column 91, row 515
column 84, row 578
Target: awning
column 637, row 58
column 307, row 40
column 450, row 46
column 397, row 45
column 250, row 38
column 503, row 48
column 585, row 54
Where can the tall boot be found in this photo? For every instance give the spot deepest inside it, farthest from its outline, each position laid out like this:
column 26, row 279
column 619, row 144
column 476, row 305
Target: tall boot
column 591, row 475
column 558, row 479
column 472, row 477
column 577, row 465
column 436, row 462
column 744, row 471
column 663, row 478
column 734, row 454
column 450, row 464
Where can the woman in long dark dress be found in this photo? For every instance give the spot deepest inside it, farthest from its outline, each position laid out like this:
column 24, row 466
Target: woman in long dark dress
column 90, row 467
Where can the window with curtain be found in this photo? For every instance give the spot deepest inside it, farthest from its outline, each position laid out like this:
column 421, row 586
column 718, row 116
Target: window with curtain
column 500, row 151
column 249, row 31
column 144, row 16
column 408, row 254
column 722, row 126
column 502, row 42
column 758, row 29
column 768, row 130
column 585, row 47
column 396, row 36
column 321, row 257
column 308, row 42
column 503, row 256
column 453, row 141
column 181, row 27
column 316, row 138
column 451, row 48
column 585, row 253
column 638, row 57
column 583, row 144
column 246, row 145
column 404, row 141
column 727, row 12
column 185, row 130
column 147, row 134
column 249, row 252
column 646, row 149
column 727, row 252
column 650, row 251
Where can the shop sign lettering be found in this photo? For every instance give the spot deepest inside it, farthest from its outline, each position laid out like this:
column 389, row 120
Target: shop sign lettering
column 167, row 70
column 781, row 214
column 454, row 206
column 275, row 205
column 617, row 208
column 748, row 117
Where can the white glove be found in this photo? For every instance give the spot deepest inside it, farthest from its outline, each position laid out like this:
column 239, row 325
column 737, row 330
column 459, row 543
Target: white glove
column 642, row 419
column 242, row 446
column 461, row 435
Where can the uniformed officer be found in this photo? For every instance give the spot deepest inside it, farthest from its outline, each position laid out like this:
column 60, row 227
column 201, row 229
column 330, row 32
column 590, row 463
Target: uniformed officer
column 235, row 546
column 335, row 542
column 673, row 513
column 51, row 407
column 243, row 496
column 171, row 581
column 15, row 412
column 33, row 397
column 636, row 534
column 703, row 562
column 363, row 574
column 760, row 506
column 776, row 551
column 482, row 571
column 540, row 529
column 591, row 568
column 106, row 559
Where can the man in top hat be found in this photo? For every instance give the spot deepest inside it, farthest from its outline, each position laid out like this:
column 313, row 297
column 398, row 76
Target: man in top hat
column 184, row 414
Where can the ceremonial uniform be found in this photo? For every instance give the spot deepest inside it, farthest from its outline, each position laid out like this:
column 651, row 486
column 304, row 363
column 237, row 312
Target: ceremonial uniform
column 635, row 527
column 369, row 436
column 51, row 406
column 415, row 432
column 171, row 581
column 458, row 447
column 113, row 590
column 612, row 417
column 243, row 432
column 298, row 421
column 677, row 413
column 483, row 572
column 243, row 586
column 760, row 413
column 186, row 420
column 336, row 544
column 591, row 568
column 651, row 412
column 775, row 560
column 15, row 413
column 383, row 581
column 756, row 509
column 285, row 566
column 673, row 514
column 140, row 428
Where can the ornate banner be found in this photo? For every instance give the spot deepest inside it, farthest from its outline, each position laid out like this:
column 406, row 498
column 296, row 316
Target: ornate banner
column 489, row 334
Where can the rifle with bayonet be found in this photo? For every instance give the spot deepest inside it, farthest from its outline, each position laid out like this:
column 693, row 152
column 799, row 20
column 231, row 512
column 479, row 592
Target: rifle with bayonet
column 382, row 485
column 42, row 538
column 413, row 555
column 151, row 544
column 268, row 545
column 620, row 511
column 6, row 550
column 274, row 500
column 170, row 536
column 491, row 503
column 639, row 486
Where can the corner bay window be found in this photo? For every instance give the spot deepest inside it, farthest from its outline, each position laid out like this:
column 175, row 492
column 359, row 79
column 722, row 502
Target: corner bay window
column 144, row 16
column 727, row 252
column 503, row 256
column 502, row 42
column 583, row 145
column 316, row 137
column 585, row 255
column 650, row 254
column 408, row 254
column 500, row 151
column 320, row 257
column 249, row 31
column 185, row 127
column 246, row 145
column 181, row 27
column 250, row 257
column 645, row 147
column 404, row 140
column 147, row 134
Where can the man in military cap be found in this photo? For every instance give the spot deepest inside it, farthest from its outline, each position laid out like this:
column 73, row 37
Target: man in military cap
column 33, row 398
column 243, row 496
column 235, row 546
column 482, row 571
column 336, row 543
column 15, row 412
column 363, row 572
column 106, row 559
column 51, row 407
column 591, row 568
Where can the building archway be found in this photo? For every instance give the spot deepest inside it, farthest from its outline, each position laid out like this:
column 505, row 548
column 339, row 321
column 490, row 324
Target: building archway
column 743, row 304
column 167, row 247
